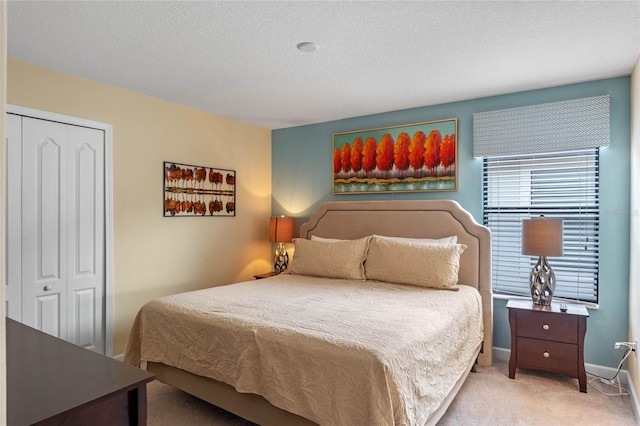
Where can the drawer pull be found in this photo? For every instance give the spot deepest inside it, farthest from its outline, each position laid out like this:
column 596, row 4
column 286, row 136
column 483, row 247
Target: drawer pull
column 546, row 354
column 545, row 327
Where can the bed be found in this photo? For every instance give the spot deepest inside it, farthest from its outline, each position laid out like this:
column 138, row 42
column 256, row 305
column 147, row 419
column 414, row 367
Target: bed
column 304, row 348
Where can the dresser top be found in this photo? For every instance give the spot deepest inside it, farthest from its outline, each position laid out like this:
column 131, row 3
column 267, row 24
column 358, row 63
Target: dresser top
column 47, row 377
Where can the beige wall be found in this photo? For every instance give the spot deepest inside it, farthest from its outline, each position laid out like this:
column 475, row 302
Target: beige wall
column 154, row 255
column 634, row 273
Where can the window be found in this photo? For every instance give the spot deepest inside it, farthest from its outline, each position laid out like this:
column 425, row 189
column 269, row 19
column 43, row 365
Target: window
column 561, row 185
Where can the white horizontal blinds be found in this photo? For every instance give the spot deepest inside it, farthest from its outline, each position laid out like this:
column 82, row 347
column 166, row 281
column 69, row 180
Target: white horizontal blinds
column 558, row 185
column 550, row 127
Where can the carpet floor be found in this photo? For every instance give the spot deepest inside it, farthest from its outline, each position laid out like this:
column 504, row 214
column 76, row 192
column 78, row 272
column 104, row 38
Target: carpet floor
column 488, row 397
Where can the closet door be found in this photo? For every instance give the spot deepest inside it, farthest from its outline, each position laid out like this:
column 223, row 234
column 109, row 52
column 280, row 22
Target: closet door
column 44, row 228
column 63, row 231
column 85, row 236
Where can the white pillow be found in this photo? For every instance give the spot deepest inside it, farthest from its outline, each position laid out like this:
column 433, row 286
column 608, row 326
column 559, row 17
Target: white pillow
column 446, row 240
column 325, row 240
column 425, row 265
column 339, row 259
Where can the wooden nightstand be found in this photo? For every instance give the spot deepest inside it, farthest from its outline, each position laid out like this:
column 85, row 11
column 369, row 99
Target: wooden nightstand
column 266, row 275
column 544, row 338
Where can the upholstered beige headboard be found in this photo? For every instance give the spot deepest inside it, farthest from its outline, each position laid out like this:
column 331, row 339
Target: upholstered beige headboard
column 416, row 219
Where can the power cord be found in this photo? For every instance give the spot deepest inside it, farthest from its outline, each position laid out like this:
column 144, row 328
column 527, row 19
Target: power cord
column 615, row 380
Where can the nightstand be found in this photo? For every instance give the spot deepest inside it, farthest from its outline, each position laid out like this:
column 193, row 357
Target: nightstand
column 266, row 275
column 544, row 338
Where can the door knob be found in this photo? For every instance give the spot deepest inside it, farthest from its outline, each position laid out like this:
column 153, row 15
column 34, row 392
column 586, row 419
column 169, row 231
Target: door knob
column 47, row 288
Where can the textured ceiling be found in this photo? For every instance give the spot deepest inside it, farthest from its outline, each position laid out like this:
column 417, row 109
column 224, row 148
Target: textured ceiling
column 239, row 59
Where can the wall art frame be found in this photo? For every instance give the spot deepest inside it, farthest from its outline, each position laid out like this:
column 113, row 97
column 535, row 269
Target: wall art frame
column 418, row 157
column 190, row 190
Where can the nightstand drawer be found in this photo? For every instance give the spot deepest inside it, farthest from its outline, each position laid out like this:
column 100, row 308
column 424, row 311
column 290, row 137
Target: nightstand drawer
column 548, row 326
column 550, row 356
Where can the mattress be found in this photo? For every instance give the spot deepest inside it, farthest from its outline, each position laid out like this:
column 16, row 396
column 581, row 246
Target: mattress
column 333, row 351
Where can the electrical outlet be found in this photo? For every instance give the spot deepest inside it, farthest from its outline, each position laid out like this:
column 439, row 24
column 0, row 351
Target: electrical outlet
column 631, row 345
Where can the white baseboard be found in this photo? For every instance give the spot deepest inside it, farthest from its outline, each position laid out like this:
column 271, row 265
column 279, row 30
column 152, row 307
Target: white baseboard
column 633, row 395
column 119, row 357
column 501, row 353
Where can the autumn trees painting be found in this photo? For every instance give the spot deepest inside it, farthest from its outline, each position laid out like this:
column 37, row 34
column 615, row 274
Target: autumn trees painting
column 415, row 157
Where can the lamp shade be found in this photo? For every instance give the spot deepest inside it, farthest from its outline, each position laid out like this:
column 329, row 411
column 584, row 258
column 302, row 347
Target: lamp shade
column 542, row 237
column 281, row 229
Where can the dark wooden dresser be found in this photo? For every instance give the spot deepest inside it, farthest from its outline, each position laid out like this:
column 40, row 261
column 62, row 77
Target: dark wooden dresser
column 545, row 338
column 53, row 382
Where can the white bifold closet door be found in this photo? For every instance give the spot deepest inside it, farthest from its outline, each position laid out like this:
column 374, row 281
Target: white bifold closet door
column 56, row 231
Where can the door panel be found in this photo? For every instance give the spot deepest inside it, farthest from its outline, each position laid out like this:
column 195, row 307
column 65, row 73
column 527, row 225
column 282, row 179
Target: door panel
column 86, row 236
column 44, row 228
column 85, row 210
column 48, row 208
column 84, row 307
column 48, row 313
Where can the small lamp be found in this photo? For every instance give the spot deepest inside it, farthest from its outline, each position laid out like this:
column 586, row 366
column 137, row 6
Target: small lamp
column 542, row 237
column 281, row 231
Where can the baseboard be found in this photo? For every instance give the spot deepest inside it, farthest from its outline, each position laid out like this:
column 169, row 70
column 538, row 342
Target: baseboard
column 633, row 395
column 501, row 353
column 119, row 357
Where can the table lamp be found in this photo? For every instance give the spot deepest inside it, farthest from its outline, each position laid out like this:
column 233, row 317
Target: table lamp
column 281, row 231
column 542, row 237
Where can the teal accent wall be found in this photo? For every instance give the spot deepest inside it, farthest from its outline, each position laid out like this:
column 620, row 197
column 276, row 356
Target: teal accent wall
column 302, row 171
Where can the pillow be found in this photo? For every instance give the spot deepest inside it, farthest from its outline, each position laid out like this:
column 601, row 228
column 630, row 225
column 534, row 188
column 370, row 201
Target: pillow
column 425, row 265
column 338, row 259
column 446, row 240
column 325, row 240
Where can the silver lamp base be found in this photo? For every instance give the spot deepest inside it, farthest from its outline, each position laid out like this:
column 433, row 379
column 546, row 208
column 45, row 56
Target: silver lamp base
column 542, row 282
column 280, row 260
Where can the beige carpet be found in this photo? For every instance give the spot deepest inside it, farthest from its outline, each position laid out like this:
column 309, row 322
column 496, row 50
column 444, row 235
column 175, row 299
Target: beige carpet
column 488, row 397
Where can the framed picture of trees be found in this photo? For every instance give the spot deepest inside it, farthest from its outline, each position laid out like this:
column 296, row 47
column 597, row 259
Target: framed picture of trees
column 410, row 157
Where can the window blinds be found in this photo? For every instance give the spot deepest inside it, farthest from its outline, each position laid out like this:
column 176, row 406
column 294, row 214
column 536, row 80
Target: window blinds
column 558, row 185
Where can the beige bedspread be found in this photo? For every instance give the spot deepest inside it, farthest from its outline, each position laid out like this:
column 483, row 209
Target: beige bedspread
column 337, row 352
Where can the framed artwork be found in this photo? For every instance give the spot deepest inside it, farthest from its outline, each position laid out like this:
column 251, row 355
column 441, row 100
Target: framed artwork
column 410, row 157
column 198, row 191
